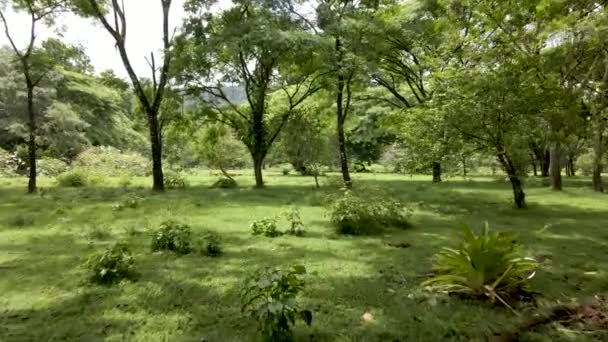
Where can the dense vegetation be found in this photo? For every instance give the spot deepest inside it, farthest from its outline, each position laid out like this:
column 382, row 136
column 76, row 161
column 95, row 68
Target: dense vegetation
column 369, row 130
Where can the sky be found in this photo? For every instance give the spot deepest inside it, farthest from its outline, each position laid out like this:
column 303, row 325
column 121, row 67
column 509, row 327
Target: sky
column 144, row 34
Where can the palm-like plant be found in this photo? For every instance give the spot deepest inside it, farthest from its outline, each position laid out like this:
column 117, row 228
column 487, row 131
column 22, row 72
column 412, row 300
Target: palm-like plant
column 484, row 265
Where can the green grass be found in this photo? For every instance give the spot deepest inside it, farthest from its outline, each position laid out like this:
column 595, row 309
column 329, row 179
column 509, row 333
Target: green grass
column 45, row 240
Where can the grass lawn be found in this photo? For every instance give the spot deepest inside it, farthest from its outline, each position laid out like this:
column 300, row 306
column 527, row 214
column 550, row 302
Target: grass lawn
column 45, row 240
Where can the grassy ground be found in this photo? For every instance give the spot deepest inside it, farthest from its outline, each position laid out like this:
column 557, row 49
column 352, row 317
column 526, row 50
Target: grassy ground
column 44, row 241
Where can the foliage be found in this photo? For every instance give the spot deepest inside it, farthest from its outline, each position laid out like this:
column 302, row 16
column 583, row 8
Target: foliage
column 113, row 265
column 131, row 202
column 225, row 183
column 484, row 265
column 112, row 162
column 8, row 164
column 175, row 180
column 75, row 178
column 172, row 236
column 266, row 226
column 269, row 296
column 50, row 167
column 296, row 227
column 212, row 245
column 367, row 211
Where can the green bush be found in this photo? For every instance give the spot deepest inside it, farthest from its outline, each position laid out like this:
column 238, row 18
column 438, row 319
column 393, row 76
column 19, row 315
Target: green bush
column 130, row 202
column 225, row 183
column 286, row 171
column 366, row 212
column 73, row 179
column 124, row 182
column 9, row 163
column 112, row 265
column 212, row 245
column 175, row 180
column 266, row 226
column 269, row 296
column 172, row 236
column 50, row 167
column 485, row 265
column 113, row 162
column 296, row 227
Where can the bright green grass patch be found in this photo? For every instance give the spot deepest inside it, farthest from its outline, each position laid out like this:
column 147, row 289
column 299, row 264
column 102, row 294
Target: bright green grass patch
column 46, row 239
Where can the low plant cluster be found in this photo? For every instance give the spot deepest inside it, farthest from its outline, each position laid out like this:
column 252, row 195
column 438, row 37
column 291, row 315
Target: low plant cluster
column 172, row 236
column 113, row 162
column 270, row 295
column 268, row 226
column 112, row 265
column 485, row 265
column 130, row 202
column 358, row 212
column 224, row 183
column 175, row 180
column 77, row 178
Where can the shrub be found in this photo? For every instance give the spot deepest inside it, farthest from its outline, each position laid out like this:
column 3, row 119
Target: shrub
column 366, row 212
column 484, row 265
column 112, row 265
column 131, row 202
column 124, row 182
column 175, row 180
column 296, row 227
column 21, row 221
column 172, row 236
column 225, row 183
column 73, row 179
column 113, row 162
column 212, row 245
column 50, row 167
column 286, row 171
column 9, row 163
column 266, row 226
column 269, row 296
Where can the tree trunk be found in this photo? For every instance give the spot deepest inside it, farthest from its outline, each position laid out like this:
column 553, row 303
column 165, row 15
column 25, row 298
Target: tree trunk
column 31, row 146
column 157, row 152
column 534, row 168
column 464, row 167
column 316, row 175
column 436, row 172
column 341, row 116
column 555, row 167
column 598, row 152
column 518, row 192
column 258, row 162
column 225, row 173
column 544, row 164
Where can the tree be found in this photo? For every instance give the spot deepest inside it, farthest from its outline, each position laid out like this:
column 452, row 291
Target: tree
column 152, row 103
column 219, row 148
column 33, row 63
column 260, row 48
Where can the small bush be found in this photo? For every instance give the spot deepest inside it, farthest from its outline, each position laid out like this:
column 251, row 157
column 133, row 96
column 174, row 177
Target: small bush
column 266, row 226
column 113, row 162
column 366, row 212
column 212, row 245
column 20, row 221
column 296, row 227
column 112, row 265
column 131, row 202
column 73, row 179
column 286, row 171
column 269, row 296
column 172, row 236
column 9, row 163
column 50, row 167
column 485, row 265
column 224, row 183
column 175, row 180
column 124, row 182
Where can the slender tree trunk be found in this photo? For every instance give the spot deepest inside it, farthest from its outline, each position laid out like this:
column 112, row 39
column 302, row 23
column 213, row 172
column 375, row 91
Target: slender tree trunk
column 555, row 167
column 464, row 167
column 157, row 152
column 225, row 173
column 534, row 169
column 258, row 161
column 341, row 116
column 518, row 192
column 436, row 172
column 598, row 152
column 31, row 146
column 545, row 161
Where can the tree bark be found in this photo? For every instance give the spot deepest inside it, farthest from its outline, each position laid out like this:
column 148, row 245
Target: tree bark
column 31, row 146
column 534, row 168
column 555, row 167
column 545, row 161
column 224, row 172
column 598, row 151
column 258, row 161
column 518, row 192
column 436, row 172
column 464, row 167
column 157, row 152
column 341, row 116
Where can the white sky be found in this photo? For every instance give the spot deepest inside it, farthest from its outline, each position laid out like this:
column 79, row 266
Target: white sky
column 144, row 34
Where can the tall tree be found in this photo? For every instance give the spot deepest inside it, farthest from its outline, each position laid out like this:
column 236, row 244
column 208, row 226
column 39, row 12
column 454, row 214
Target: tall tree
column 33, row 63
column 151, row 104
column 258, row 48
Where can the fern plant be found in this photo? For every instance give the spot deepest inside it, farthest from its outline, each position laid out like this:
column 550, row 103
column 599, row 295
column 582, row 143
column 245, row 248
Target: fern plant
column 485, row 265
